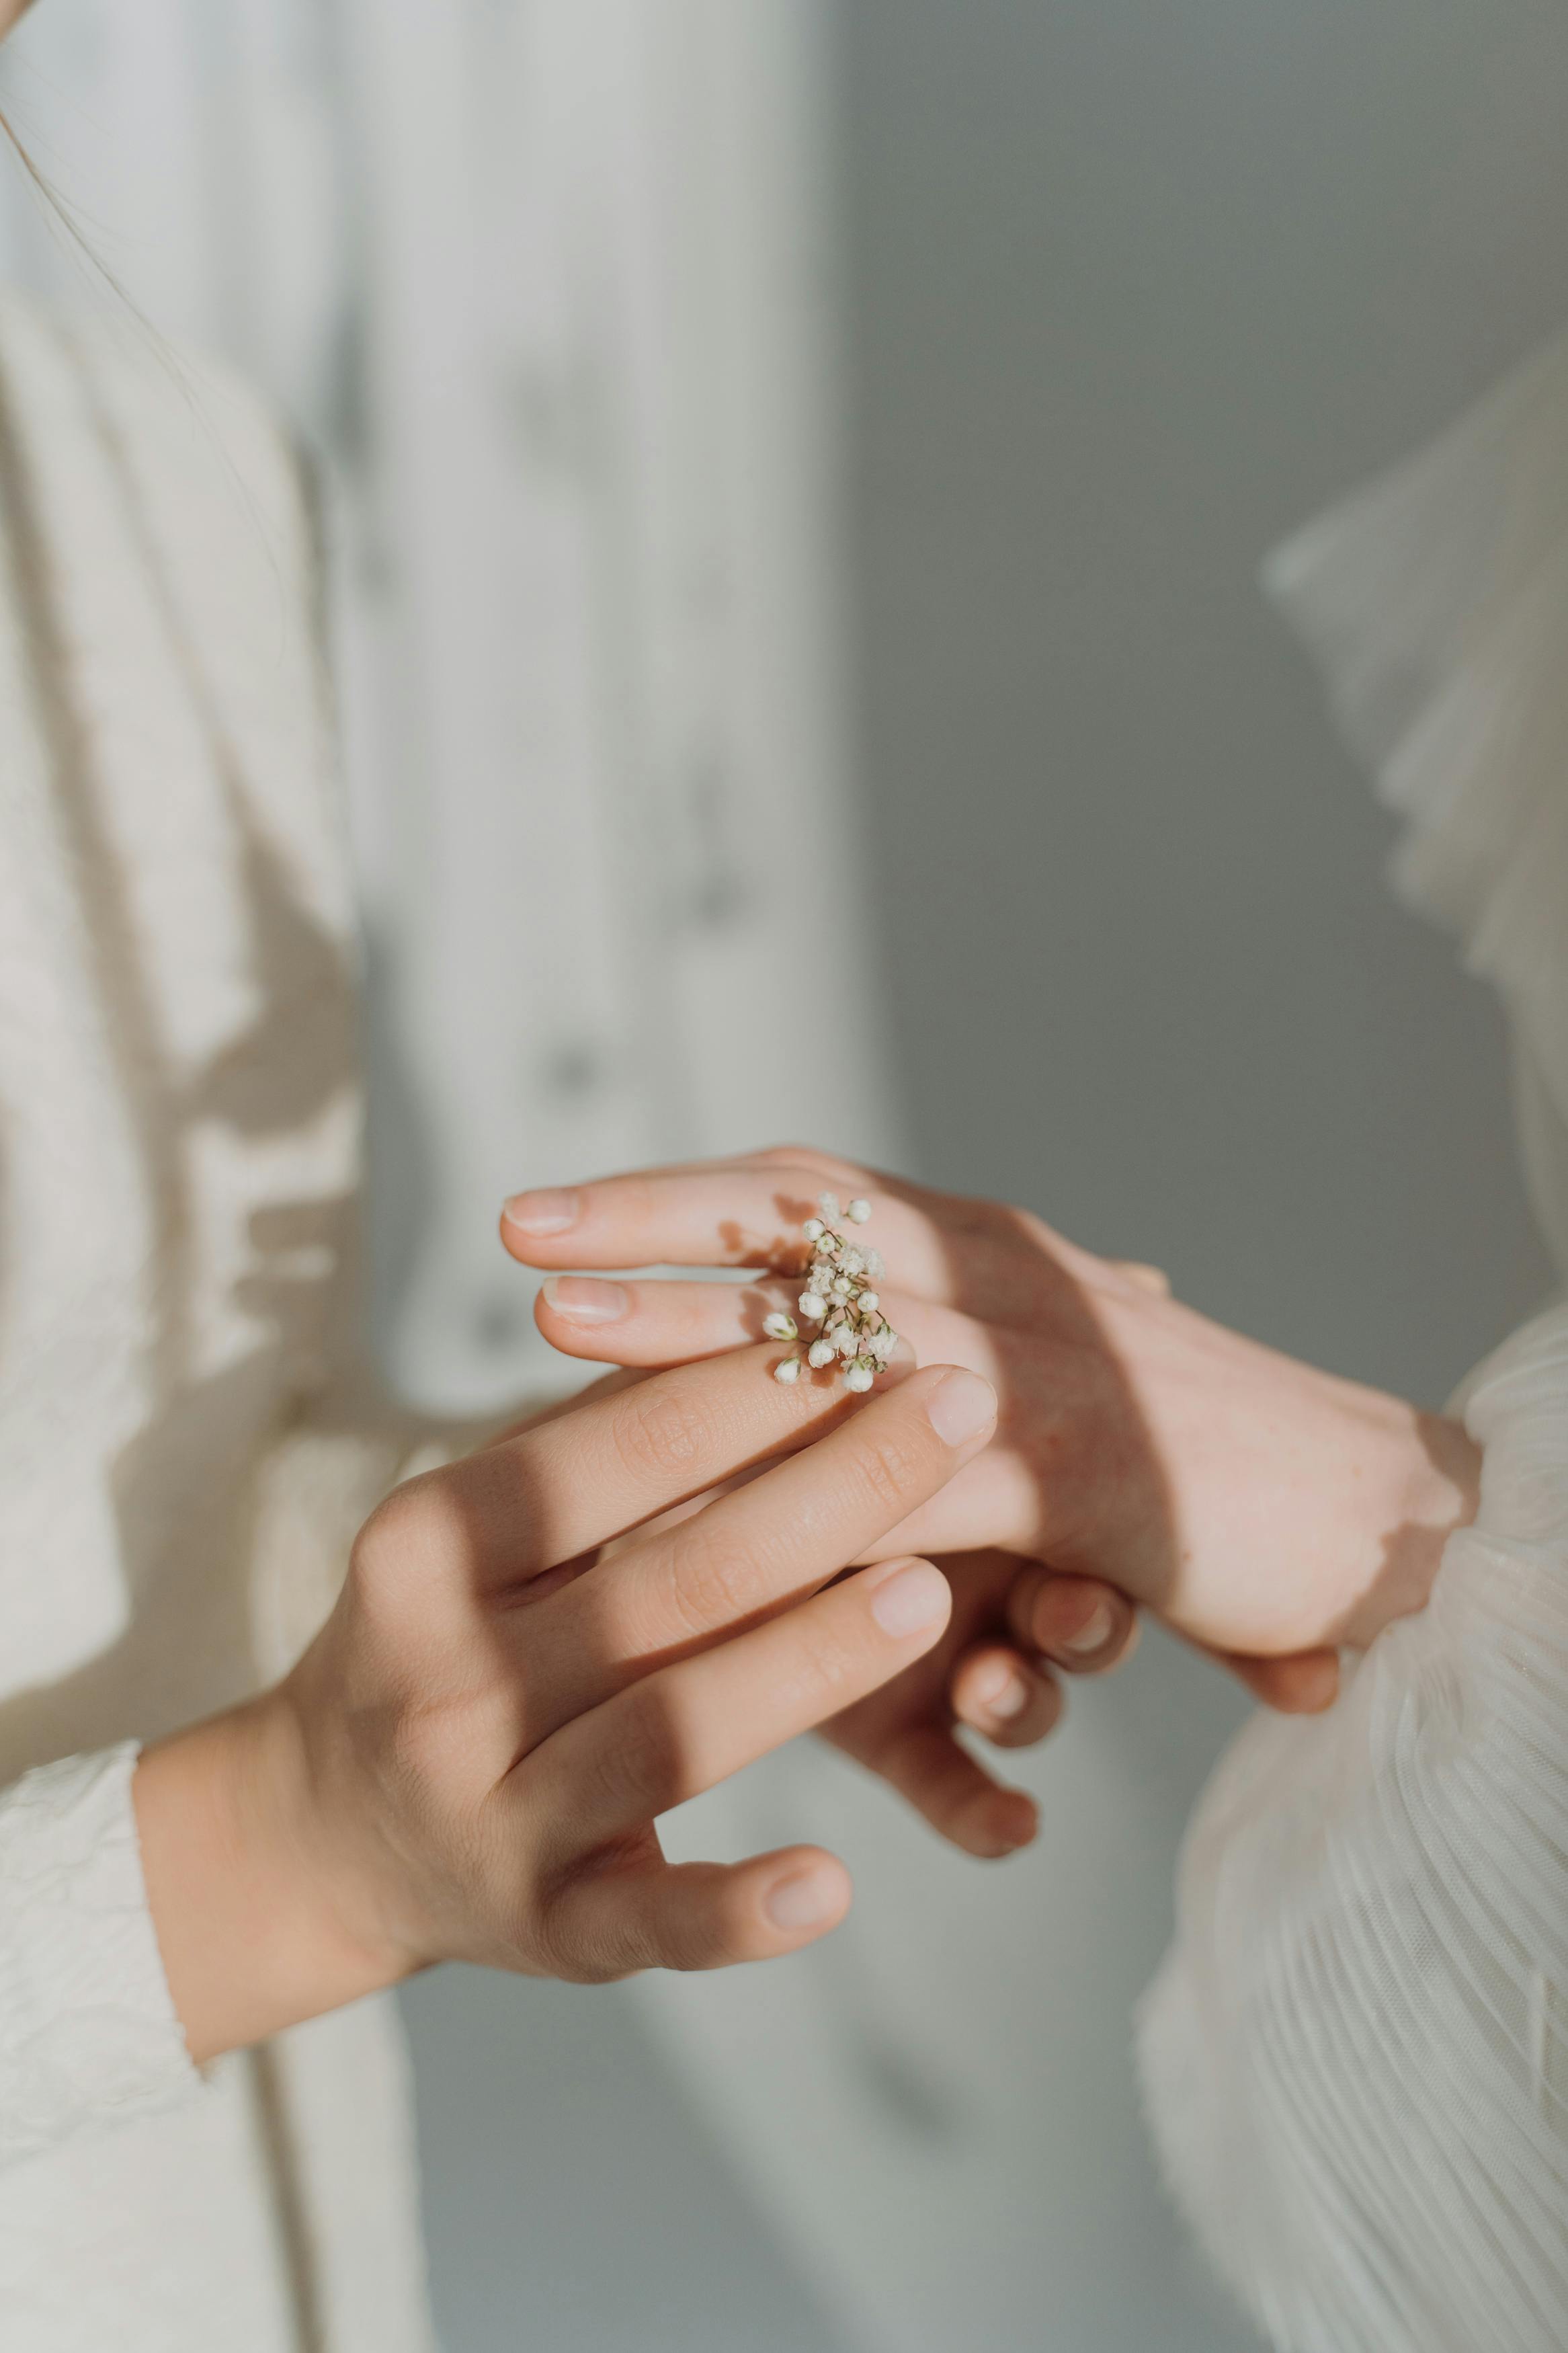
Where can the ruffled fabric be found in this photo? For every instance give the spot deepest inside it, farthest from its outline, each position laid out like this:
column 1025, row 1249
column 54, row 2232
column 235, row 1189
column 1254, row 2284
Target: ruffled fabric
column 1437, row 604
column 1355, row 2056
column 89, row 2036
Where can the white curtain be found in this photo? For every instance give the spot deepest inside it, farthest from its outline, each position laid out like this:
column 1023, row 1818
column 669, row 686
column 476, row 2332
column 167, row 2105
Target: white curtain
column 543, row 284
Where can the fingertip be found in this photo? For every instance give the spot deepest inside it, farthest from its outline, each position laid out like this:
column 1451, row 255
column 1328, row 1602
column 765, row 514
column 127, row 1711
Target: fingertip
column 1009, row 1700
column 1086, row 1627
column 808, row 1898
column 998, row 1824
column 1305, row 1683
column 910, row 1599
column 1311, row 1684
column 961, row 1405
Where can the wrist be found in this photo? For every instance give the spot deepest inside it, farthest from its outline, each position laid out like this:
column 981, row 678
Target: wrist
column 249, row 1915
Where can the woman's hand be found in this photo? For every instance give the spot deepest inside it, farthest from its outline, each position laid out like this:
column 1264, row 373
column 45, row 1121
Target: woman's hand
column 1266, row 1510
column 468, row 1762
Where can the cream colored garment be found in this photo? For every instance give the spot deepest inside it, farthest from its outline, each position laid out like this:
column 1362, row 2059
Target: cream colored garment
column 1356, row 2057
column 179, row 1459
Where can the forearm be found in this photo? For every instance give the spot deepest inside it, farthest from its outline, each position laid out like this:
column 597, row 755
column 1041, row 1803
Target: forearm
column 251, row 1936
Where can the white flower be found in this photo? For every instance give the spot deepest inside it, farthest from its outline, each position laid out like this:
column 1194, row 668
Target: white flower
column 855, row 1333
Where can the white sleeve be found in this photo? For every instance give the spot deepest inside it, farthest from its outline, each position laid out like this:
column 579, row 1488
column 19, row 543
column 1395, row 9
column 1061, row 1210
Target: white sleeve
column 89, row 2036
column 1356, row 2057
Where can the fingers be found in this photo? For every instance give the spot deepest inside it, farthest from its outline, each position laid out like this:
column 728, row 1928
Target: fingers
column 935, row 1775
column 755, row 1550
column 699, row 1916
column 1011, row 1699
column 1083, row 1627
column 564, row 1485
column 728, row 1213
column 679, row 1731
column 669, row 1322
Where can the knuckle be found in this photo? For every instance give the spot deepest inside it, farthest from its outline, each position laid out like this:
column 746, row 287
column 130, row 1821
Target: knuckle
column 634, row 1773
column 887, row 1472
column 569, row 1957
column 414, row 1530
column 658, row 1432
column 828, row 1663
column 708, row 1582
column 711, row 1942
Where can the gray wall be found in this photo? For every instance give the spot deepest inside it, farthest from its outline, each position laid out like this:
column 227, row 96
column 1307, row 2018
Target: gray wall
column 1132, row 287
column 1137, row 286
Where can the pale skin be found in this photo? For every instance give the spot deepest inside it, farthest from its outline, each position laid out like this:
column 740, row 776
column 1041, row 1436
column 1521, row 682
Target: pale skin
column 1146, row 1457
column 468, row 1762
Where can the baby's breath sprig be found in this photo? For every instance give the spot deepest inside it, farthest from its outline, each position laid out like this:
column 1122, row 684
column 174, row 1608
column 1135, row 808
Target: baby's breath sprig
column 840, row 1297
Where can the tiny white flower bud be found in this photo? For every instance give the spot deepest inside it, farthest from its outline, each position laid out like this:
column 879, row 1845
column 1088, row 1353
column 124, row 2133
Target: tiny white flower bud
column 787, row 1371
column 812, row 1230
column 822, row 1352
column 867, row 1304
column 858, row 1211
column 846, row 1339
column 861, row 1374
column 841, row 1286
column 812, row 1307
column 828, row 1204
column 781, row 1327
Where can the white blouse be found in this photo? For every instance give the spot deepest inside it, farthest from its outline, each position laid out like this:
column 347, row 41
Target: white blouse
column 1356, row 2057
column 181, row 1458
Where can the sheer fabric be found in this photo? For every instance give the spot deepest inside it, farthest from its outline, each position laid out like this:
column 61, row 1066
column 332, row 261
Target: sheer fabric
column 1356, row 2055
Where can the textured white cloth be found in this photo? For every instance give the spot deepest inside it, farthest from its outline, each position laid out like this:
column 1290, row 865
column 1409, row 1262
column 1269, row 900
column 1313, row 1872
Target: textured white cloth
column 181, row 1457
column 87, row 2029
column 1356, row 2055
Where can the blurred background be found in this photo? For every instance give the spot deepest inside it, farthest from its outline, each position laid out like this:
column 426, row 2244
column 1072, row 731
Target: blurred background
column 744, row 426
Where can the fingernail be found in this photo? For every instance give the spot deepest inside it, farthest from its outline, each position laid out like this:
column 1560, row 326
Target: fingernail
column 802, row 1901
column 915, row 1599
column 1094, row 1634
column 547, row 1212
column 960, row 1405
column 1001, row 1692
column 582, row 1300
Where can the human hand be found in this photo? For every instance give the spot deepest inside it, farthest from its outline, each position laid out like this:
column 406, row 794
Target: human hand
column 1267, row 1511
column 469, row 1760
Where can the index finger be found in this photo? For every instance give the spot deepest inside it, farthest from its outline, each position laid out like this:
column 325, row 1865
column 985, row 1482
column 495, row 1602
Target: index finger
column 728, row 1213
